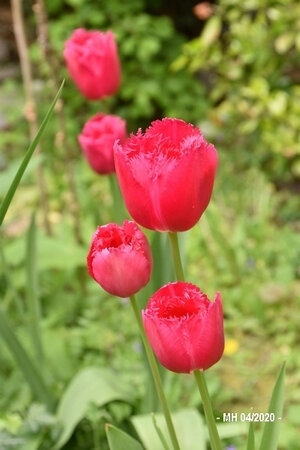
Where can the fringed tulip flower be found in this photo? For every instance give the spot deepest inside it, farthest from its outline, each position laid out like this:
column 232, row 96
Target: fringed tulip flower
column 97, row 139
column 120, row 258
column 93, row 62
column 184, row 328
column 166, row 175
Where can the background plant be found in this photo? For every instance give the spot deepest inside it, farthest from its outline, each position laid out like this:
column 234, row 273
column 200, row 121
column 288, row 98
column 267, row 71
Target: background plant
column 247, row 239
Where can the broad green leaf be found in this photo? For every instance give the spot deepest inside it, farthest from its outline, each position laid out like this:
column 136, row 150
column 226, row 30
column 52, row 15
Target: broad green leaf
column 188, row 424
column 91, row 385
column 271, row 429
column 229, row 430
column 15, row 183
column 31, row 374
column 118, row 440
column 251, row 438
column 159, row 433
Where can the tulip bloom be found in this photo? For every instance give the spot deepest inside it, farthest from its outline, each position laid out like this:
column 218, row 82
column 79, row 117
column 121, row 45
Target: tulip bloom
column 184, row 328
column 166, row 175
column 93, row 62
column 97, row 139
column 120, row 258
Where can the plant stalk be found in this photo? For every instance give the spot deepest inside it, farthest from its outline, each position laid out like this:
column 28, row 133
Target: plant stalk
column 199, row 375
column 156, row 375
column 176, row 256
column 209, row 415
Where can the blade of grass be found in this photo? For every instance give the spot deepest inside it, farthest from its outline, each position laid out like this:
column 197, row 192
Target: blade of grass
column 8, row 290
column 32, row 293
column 271, row 429
column 32, row 376
column 15, row 183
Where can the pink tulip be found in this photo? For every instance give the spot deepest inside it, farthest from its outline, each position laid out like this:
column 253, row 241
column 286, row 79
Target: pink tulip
column 97, row 139
column 120, row 258
column 184, row 328
column 93, row 62
column 166, row 175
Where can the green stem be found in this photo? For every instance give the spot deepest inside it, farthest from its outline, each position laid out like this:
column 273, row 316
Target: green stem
column 155, row 374
column 210, row 420
column 176, row 256
column 159, row 433
column 199, row 375
column 118, row 213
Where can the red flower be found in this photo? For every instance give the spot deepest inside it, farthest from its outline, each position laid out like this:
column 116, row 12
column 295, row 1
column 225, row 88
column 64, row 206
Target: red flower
column 184, row 328
column 97, row 139
column 93, row 62
column 166, row 175
column 120, row 258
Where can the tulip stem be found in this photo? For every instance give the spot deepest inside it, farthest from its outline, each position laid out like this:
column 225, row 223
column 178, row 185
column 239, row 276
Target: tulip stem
column 176, row 256
column 118, row 213
column 155, row 374
column 199, row 375
column 210, row 419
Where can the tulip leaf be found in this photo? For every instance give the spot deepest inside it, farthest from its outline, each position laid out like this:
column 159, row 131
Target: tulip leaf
column 251, row 438
column 90, row 385
column 159, row 433
column 31, row 374
column 15, row 183
column 32, row 291
column 190, row 429
column 119, row 440
column 229, row 430
column 188, row 424
column 271, row 429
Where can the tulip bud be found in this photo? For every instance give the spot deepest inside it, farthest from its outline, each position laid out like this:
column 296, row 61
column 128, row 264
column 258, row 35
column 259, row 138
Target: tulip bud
column 97, row 139
column 184, row 328
column 120, row 258
column 93, row 63
column 166, row 175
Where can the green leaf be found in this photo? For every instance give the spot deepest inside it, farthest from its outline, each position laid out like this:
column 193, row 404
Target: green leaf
column 15, row 183
column 229, row 430
column 271, row 429
column 118, row 440
column 56, row 252
column 159, row 433
column 32, row 376
column 91, row 385
column 189, row 427
column 211, row 31
column 284, row 42
column 251, row 438
column 32, row 291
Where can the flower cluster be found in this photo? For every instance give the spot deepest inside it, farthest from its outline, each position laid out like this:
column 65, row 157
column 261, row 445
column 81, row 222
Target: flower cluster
column 166, row 176
column 93, row 63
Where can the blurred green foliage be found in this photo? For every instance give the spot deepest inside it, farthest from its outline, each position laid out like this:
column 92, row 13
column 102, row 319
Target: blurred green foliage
column 148, row 45
column 243, row 92
column 248, row 52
